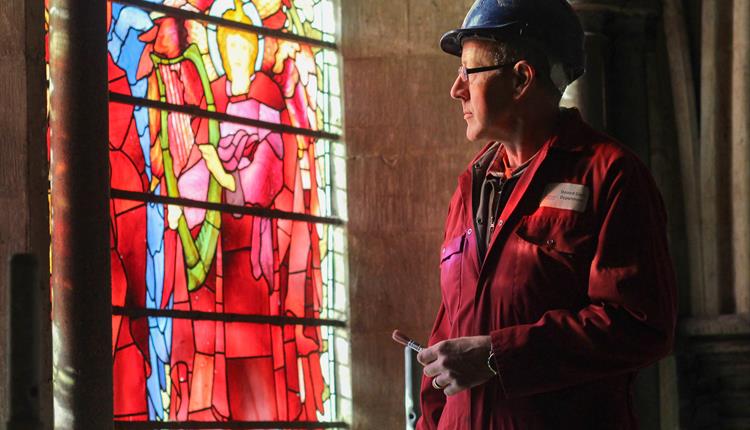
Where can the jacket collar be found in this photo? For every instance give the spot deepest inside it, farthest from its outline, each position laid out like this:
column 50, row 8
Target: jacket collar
column 570, row 127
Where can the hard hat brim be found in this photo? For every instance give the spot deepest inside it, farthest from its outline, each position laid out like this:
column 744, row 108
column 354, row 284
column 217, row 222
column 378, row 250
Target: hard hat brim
column 452, row 41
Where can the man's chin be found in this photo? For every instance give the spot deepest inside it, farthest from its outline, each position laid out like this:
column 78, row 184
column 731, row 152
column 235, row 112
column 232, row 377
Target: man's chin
column 472, row 135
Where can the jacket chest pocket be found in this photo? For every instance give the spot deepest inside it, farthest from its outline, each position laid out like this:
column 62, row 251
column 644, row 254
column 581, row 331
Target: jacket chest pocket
column 451, row 262
column 553, row 252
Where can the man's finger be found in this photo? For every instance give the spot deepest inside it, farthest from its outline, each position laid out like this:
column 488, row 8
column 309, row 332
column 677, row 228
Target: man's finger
column 428, row 355
column 452, row 389
column 440, row 382
column 432, row 370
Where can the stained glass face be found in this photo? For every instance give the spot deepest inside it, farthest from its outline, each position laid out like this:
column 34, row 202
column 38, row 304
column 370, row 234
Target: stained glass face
column 228, row 245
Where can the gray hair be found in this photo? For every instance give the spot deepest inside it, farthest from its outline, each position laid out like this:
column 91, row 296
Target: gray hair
column 525, row 49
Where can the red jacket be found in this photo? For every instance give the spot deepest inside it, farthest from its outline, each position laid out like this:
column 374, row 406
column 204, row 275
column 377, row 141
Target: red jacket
column 576, row 290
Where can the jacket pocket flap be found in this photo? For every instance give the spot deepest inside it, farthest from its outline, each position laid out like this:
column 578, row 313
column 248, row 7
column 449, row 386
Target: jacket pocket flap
column 558, row 234
column 451, row 247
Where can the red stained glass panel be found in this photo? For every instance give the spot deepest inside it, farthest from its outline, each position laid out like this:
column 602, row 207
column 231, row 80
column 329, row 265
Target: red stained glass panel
column 222, row 312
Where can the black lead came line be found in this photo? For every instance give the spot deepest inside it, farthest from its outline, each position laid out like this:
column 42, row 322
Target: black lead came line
column 147, row 425
column 279, row 320
column 186, row 14
column 116, row 193
column 196, row 111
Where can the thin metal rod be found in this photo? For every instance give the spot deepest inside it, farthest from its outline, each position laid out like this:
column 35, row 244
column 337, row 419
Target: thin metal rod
column 195, row 111
column 412, row 384
column 186, row 14
column 247, row 210
column 226, row 317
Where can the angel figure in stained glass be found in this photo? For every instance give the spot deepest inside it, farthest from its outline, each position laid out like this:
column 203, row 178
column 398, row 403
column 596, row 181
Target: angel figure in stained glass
column 186, row 157
column 253, row 156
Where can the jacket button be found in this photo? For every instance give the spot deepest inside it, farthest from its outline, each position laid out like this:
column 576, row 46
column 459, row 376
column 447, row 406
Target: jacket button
column 468, row 232
column 443, row 250
column 499, row 222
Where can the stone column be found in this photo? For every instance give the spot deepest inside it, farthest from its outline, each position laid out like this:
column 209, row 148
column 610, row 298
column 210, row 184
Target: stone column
column 686, row 126
column 612, row 96
column 82, row 314
column 740, row 120
column 588, row 93
column 713, row 163
column 712, row 359
column 627, row 99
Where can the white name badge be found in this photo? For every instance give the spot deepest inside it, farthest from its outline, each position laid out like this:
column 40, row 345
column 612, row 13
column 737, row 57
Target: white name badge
column 564, row 195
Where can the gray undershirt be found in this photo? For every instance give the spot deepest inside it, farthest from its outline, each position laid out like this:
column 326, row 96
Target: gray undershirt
column 494, row 191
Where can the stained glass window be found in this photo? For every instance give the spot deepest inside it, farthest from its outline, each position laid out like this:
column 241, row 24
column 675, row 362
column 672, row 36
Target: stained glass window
column 227, row 214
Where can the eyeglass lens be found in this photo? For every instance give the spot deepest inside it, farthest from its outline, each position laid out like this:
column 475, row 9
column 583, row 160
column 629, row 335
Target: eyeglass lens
column 462, row 73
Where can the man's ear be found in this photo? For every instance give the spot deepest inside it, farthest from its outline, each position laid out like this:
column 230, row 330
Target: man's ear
column 525, row 75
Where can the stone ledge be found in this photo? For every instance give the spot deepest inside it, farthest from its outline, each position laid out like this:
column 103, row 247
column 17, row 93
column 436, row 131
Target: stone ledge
column 722, row 326
column 631, row 8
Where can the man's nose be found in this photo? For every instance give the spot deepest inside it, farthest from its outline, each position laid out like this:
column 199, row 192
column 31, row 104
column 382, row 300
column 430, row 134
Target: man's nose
column 459, row 90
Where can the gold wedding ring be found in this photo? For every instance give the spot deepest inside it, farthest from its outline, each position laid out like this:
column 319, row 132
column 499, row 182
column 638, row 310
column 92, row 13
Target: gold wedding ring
column 435, row 385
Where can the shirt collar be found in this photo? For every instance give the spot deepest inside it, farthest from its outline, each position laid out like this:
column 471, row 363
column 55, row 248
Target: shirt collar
column 499, row 167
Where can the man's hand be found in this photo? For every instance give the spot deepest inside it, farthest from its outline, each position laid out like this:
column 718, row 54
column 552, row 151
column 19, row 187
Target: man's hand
column 457, row 364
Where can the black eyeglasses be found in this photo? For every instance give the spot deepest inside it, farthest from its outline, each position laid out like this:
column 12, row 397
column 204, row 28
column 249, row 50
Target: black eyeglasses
column 464, row 71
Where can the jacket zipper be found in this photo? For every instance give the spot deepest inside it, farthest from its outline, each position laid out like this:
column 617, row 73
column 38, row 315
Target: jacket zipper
column 496, row 205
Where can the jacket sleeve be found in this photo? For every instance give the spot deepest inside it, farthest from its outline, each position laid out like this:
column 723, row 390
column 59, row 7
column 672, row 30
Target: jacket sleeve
column 630, row 320
column 432, row 400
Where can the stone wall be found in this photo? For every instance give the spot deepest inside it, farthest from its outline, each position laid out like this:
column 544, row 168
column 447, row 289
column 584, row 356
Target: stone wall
column 406, row 147
column 23, row 174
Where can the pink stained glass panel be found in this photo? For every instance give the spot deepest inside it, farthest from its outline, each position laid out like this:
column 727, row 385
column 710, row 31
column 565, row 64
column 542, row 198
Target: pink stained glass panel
column 261, row 168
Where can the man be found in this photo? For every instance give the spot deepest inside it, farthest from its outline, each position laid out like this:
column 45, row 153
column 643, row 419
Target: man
column 556, row 280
